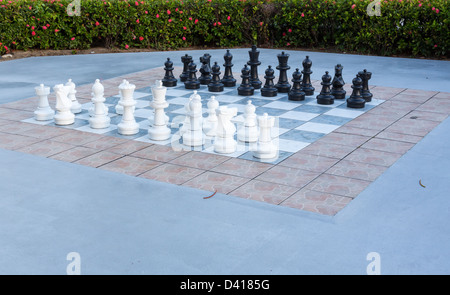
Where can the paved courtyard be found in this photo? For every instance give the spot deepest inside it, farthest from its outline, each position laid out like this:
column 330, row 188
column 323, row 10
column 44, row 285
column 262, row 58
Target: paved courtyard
column 332, row 180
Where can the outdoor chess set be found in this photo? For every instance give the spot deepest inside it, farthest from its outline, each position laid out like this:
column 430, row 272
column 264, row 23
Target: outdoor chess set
column 216, row 115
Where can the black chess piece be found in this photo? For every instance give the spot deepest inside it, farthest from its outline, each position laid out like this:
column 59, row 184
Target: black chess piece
column 207, row 58
column 296, row 93
column 169, row 79
column 192, row 81
column 186, row 60
column 246, row 89
column 228, row 79
column 325, row 96
column 338, row 83
column 254, row 63
column 283, row 85
column 306, row 83
column 205, row 70
column 365, row 92
column 269, row 89
column 356, row 101
column 216, row 85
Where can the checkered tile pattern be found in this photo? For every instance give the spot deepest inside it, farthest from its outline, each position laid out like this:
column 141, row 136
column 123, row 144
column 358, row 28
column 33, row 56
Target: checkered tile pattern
column 298, row 123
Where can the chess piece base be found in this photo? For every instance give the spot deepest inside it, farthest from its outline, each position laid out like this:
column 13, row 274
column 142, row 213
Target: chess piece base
column 99, row 122
column 215, row 88
column 325, row 100
column 64, row 119
column 265, row 150
column 159, row 133
column 229, row 83
column 256, row 84
column 192, row 85
column 356, row 103
column 296, row 96
column 193, row 138
column 224, row 145
column 204, row 81
column 76, row 107
column 248, row 134
column 338, row 94
column 283, row 88
column 44, row 114
column 268, row 92
column 367, row 96
column 170, row 83
column 128, row 128
column 246, row 91
column 308, row 91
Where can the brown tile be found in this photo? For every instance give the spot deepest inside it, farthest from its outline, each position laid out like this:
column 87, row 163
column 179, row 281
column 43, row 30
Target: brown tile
column 28, row 104
column 357, row 131
column 309, row 162
column 388, row 112
column 328, row 150
column 242, row 168
column 442, row 95
column 105, row 142
column 130, row 165
column 371, row 121
column 44, row 132
column 338, row 185
column 412, row 126
column 288, row 176
column 318, row 202
column 76, row 137
column 388, row 145
column 212, row 181
column 344, row 139
column 128, row 147
column 200, row 160
column 46, row 148
column 417, row 92
column 172, row 173
column 410, row 98
column 399, row 137
column 381, row 92
column 16, row 127
column 98, row 159
column 436, row 105
column 16, row 115
column 14, row 141
column 399, row 105
column 357, row 170
column 373, row 157
column 262, row 191
column 74, row 154
column 430, row 116
column 158, row 153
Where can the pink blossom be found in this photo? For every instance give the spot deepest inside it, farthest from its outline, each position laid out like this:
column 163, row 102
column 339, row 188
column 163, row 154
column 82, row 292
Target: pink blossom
column 290, row 30
column 261, row 23
column 196, row 21
column 126, row 46
column 176, row 9
column 433, row 8
column 170, row 20
column 168, row 11
column 184, row 38
column 288, row 44
column 56, row 30
column 214, row 24
column 184, row 28
column 97, row 24
column 28, row 26
column 437, row 10
column 229, row 17
column 6, row 47
column 141, row 38
column 136, row 3
column 33, row 33
column 219, row 23
column 146, row 12
column 353, row 6
column 420, row 4
column 190, row 18
column 435, row 45
column 284, row 34
column 73, row 38
column 32, row 27
column 303, row 15
column 44, row 28
column 157, row 15
column 137, row 20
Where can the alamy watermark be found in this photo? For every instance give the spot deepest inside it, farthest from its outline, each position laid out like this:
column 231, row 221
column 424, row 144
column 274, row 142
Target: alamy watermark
column 374, row 267
column 74, row 8
column 74, row 267
column 374, row 8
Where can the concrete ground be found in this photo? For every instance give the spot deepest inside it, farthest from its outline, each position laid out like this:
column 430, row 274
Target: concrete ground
column 121, row 224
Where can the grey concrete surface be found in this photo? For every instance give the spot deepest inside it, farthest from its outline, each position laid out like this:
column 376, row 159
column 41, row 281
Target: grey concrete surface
column 19, row 77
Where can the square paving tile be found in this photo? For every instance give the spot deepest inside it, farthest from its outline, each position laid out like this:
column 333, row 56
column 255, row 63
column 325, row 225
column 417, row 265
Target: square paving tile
column 15, row 141
column 200, row 160
column 75, row 137
column 171, row 173
column 160, row 153
column 128, row 147
column 388, row 145
column 98, row 159
column 343, row 186
column 318, row 202
column 130, row 165
column 242, row 168
column 262, row 191
column 436, row 105
column 213, row 181
column 309, row 162
column 74, row 154
column 345, row 139
column 412, row 126
column 357, row 170
column 399, row 137
column 46, row 148
column 288, row 176
column 327, row 150
column 373, row 157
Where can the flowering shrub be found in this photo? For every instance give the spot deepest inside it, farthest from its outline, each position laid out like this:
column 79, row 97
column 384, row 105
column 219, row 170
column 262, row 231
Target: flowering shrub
column 416, row 27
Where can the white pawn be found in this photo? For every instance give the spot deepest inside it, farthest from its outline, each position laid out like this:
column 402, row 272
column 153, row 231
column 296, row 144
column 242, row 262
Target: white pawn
column 249, row 130
column 193, row 135
column 224, row 141
column 265, row 149
column 63, row 114
column 76, row 106
column 127, row 125
column 159, row 130
column 210, row 124
column 43, row 112
column 99, row 119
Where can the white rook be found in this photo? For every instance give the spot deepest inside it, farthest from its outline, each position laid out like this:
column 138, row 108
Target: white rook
column 265, row 149
column 159, row 130
column 43, row 112
column 127, row 125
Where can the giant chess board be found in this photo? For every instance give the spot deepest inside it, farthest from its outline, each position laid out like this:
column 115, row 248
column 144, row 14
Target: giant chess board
column 297, row 124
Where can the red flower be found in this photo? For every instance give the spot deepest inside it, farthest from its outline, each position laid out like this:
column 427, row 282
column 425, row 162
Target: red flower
column 219, row 23
column 168, row 11
column 196, row 21
column 141, row 38
column 214, row 24
column 437, row 10
column 284, row 34
column 56, row 30
column 6, row 47
column 170, row 20
column 229, row 17
column 137, row 20
column 261, row 23
column 190, row 18
column 136, row 3
column 97, row 24
column 73, row 38
column 353, row 6
column 184, row 38
column 33, row 33
column 433, row 8
column 435, row 45
column 13, row 42
column 288, row 44
column 157, row 15
column 146, row 12
column 126, row 46
column 290, row 30
column 32, row 27
column 184, row 28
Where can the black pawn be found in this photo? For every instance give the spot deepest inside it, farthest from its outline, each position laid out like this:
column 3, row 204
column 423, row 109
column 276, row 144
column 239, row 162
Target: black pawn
column 228, row 79
column 283, row 85
column 169, row 80
column 246, row 89
column 216, row 85
column 296, row 92
column 192, row 81
column 306, row 83
column 205, row 70
column 365, row 92
column 338, row 83
column 355, row 100
column 186, row 60
column 325, row 96
column 254, row 63
column 269, row 89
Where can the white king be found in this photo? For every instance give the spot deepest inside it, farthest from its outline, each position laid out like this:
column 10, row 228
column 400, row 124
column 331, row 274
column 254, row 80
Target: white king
column 159, row 129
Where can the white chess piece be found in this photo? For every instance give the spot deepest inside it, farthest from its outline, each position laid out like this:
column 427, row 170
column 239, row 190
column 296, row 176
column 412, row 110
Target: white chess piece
column 193, row 135
column 99, row 119
column 76, row 106
column 63, row 114
column 127, row 125
column 210, row 124
column 91, row 110
column 159, row 130
column 186, row 123
column 119, row 106
column 248, row 132
column 224, row 141
column 265, row 149
column 43, row 112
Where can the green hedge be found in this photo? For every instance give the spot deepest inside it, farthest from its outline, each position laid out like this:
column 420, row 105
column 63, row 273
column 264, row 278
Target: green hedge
column 413, row 27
